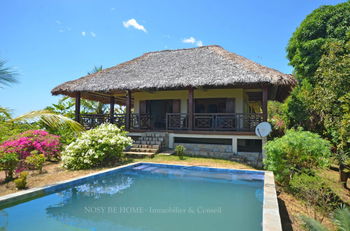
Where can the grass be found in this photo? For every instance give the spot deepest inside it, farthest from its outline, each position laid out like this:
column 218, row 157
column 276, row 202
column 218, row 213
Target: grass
column 197, row 161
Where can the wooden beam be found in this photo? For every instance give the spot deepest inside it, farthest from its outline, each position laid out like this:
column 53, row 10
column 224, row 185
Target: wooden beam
column 264, row 103
column 77, row 106
column 128, row 110
column 111, row 109
column 190, row 108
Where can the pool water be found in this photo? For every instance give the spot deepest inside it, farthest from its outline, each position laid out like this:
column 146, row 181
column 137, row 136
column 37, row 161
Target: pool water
column 148, row 197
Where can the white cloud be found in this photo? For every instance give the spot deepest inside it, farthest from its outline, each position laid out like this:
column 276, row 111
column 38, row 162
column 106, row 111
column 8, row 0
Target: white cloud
column 133, row 23
column 61, row 30
column 83, row 33
column 112, row 9
column 58, row 22
column 93, row 34
column 192, row 40
column 189, row 40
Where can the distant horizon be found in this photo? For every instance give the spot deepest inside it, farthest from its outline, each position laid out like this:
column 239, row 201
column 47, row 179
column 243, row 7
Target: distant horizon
column 49, row 43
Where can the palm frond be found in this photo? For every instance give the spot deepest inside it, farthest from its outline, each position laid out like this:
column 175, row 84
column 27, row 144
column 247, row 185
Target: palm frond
column 312, row 225
column 95, row 70
column 7, row 76
column 342, row 219
column 51, row 120
column 5, row 112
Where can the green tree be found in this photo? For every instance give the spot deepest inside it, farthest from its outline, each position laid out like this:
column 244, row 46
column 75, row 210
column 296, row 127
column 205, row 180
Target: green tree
column 319, row 52
column 306, row 46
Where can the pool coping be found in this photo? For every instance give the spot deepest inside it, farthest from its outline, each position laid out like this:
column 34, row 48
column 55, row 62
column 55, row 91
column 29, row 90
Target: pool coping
column 270, row 218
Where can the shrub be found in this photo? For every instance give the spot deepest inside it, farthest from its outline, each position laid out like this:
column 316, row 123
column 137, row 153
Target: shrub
column 36, row 161
column 8, row 163
column 32, row 140
column 317, row 195
column 96, row 147
column 21, row 181
column 180, row 150
column 296, row 152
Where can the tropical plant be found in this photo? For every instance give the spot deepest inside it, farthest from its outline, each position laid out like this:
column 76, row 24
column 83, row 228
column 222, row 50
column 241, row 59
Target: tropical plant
column 296, row 152
column 21, row 181
column 96, row 147
column 7, row 75
column 33, row 140
column 341, row 219
column 51, row 120
column 180, row 150
column 36, row 161
column 315, row 193
column 8, row 163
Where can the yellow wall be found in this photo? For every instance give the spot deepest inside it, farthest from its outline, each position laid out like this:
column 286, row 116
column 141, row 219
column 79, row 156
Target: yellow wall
column 236, row 93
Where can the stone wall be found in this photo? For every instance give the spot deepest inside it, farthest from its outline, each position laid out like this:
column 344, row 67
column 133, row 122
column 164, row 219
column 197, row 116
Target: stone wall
column 208, row 150
column 222, row 152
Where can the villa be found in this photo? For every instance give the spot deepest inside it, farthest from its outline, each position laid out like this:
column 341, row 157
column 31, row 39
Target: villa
column 206, row 99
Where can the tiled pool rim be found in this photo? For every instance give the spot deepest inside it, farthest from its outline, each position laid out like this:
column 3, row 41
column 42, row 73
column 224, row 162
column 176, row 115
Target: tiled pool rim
column 271, row 217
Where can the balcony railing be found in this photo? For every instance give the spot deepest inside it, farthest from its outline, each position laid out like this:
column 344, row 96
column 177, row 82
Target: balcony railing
column 215, row 121
column 180, row 121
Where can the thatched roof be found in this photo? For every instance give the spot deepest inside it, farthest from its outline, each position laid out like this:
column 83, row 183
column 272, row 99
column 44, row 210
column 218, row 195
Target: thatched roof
column 174, row 69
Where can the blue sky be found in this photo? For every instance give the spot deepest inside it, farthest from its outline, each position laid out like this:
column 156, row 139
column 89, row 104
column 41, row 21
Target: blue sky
column 50, row 42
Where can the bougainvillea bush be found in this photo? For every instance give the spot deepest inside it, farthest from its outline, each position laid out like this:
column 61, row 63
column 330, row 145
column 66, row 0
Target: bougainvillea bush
column 33, row 140
column 15, row 151
column 96, row 147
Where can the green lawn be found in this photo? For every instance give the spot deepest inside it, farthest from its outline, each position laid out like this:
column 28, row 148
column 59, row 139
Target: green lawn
column 198, row 161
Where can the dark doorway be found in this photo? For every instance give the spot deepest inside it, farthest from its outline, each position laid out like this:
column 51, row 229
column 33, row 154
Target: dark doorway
column 157, row 110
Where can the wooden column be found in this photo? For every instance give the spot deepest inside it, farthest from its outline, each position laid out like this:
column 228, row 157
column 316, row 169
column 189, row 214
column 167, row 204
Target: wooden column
column 77, row 107
column 190, row 109
column 264, row 102
column 128, row 110
column 111, row 109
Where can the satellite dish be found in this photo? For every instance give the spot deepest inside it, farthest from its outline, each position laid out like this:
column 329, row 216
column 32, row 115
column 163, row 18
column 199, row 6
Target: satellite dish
column 263, row 129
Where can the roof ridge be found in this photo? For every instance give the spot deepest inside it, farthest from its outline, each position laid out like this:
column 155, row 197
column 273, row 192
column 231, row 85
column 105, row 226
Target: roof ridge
column 183, row 49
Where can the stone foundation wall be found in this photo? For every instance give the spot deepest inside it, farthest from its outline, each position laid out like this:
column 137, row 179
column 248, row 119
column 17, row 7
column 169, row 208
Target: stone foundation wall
column 208, row 150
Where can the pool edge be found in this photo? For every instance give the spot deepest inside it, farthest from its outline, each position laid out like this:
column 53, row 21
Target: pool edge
column 271, row 214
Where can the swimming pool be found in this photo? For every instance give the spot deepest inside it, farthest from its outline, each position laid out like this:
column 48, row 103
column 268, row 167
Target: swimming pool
column 144, row 196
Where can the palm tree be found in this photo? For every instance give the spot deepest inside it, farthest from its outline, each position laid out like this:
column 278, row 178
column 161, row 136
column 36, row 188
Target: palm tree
column 7, row 76
column 341, row 219
column 93, row 106
column 51, row 120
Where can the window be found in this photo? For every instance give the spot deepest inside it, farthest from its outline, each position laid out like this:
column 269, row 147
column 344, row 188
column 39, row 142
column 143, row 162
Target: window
column 249, row 145
column 190, row 140
column 215, row 105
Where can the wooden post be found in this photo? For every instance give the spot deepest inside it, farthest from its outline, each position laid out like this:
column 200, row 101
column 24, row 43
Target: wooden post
column 264, row 103
column 111, row 109
column 128, row 110
column 190, row 108
column 77, row 106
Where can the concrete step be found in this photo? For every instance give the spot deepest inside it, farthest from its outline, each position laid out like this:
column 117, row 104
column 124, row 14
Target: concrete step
column 139, row 154
column 148, row 150
column 145, row 146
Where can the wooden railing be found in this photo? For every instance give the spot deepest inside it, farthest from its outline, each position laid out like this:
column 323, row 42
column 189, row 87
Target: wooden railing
column 176, row 121
column 92, row 120
column 215, row 121
column 180, row 121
